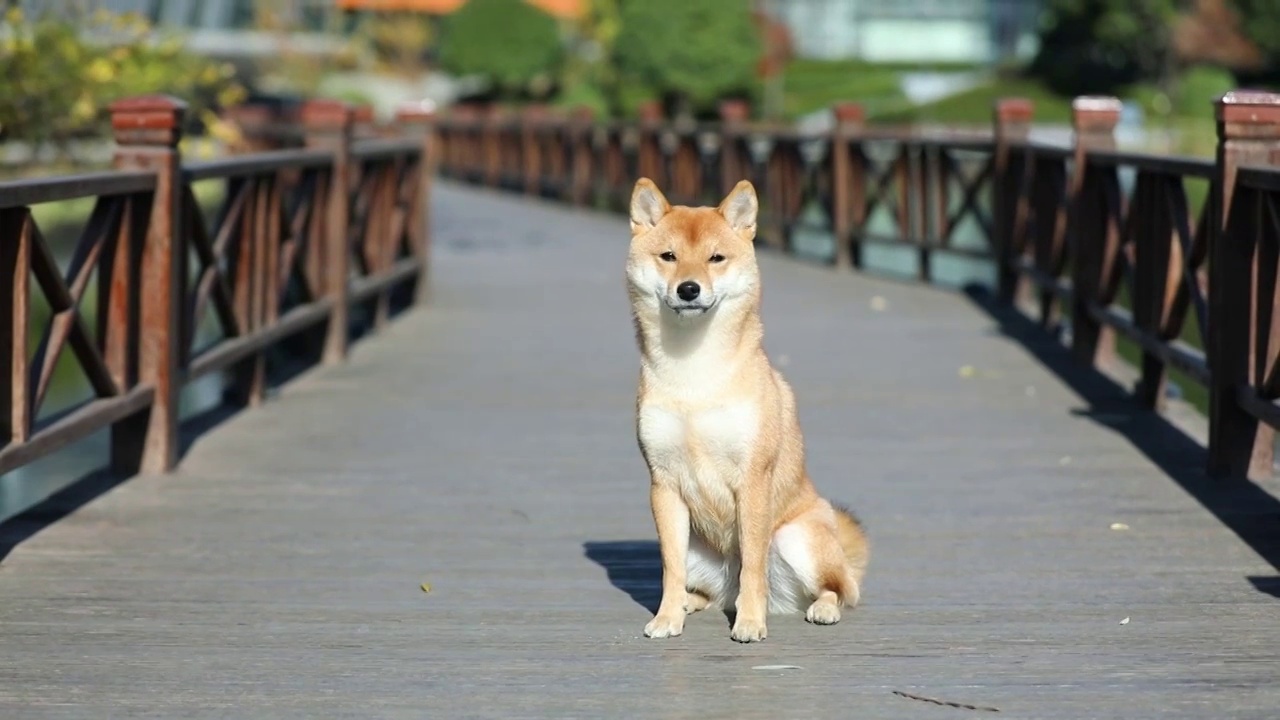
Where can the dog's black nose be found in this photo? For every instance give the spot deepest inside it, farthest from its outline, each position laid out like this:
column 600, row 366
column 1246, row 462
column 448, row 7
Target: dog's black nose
column 688, row 290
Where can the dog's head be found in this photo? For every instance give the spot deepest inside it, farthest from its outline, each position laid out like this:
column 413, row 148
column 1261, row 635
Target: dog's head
column 689, row 260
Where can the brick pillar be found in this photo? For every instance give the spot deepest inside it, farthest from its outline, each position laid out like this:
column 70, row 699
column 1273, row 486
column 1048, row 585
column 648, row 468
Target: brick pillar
column 147, row 130
column 734, row 116
column 1013, row 118
column 419, row 121
column 329, row 125
column 1095, row 236
column 583, row 170
column 848, row 182
column 1248, row 134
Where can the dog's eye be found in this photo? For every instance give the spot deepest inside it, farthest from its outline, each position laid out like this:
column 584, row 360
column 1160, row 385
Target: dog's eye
column 668, row 256
column 717, row 258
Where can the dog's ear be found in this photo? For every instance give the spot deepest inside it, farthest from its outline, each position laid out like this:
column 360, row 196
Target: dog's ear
column 740, row 208
column 648, row 205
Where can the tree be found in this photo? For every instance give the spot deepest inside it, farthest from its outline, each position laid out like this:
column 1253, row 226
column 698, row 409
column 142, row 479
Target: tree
column 1096, row 46
column 1261, row 24
column 56, row 84
column 696, row 51
column 512, row 44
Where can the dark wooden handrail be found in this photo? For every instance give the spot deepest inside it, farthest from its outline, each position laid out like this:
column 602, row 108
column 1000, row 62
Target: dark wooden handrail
column 302, row 234
column 1093, row 241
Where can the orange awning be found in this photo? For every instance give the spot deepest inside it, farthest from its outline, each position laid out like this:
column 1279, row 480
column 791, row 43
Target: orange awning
column 559, row 8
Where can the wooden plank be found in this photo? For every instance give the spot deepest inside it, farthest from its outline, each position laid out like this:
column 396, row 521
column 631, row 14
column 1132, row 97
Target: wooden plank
column 230, row 351
column 75, row 425
column 472, row 449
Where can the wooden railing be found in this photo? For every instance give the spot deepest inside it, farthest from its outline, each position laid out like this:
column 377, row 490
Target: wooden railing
column 302, row 236
column 1176, row 256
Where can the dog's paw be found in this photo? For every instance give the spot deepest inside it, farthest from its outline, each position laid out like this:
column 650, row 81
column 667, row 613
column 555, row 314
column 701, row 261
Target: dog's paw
column 745, row 631
column 662, row 626
column 823, row 612
column 696, row 602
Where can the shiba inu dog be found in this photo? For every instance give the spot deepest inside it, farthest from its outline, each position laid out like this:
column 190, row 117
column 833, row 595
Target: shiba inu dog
column 737, row 516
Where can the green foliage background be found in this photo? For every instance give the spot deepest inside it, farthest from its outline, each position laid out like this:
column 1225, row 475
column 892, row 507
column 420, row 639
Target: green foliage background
column 698, row 49
column 1094, row 46
column 55, row 84
column 510, row 42
column 1262, row 25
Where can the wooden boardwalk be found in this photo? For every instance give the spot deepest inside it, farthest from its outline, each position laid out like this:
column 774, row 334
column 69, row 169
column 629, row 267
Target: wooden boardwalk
column 484, row 444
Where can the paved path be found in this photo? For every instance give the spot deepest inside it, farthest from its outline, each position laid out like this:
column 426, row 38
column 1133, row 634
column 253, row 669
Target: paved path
column 485, row 444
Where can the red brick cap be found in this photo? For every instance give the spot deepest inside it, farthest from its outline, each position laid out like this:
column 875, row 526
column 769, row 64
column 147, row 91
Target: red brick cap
column 650, row 111
column 735, row 111
column 1095, row 113
column 147, row 112
column 325, row 112
column 416, row 110
column 1015, row 110
column 1249, row 107
column 849, row 112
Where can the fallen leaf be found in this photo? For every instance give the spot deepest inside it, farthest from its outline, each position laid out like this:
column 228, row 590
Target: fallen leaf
column 1124, row 621
column 968, row 371
column 1119, row 526
column 426, row 587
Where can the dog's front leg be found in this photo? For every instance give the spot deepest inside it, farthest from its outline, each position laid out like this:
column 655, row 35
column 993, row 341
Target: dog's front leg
column 754, row 536
column 671, row 515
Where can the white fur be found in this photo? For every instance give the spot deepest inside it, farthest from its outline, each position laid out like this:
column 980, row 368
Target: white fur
column 790, row 573
column 727, row 432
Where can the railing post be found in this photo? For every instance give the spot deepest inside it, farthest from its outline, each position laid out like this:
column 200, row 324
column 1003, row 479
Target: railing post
column 329, row 125
column 733, row 121
column 532, row 124
column 848, row 183
column 420, row 120
column 581, row 130
column 147, row 131
column 1094, row 235
column 493, row 126
column 649, row 160
column 1013, row 118
column 362, row 122
column 1239, row 445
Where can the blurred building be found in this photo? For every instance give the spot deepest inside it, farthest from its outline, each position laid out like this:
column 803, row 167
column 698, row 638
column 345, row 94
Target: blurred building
column 910, row 31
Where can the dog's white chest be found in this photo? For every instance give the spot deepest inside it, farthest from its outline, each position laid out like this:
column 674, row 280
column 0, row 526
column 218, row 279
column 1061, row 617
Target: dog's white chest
column 700, row 441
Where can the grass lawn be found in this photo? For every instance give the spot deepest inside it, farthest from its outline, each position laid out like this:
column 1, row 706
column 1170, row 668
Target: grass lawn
column 974, row 106
column 812, row 85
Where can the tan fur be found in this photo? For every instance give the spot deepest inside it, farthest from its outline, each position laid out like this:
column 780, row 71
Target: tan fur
column 738, row 518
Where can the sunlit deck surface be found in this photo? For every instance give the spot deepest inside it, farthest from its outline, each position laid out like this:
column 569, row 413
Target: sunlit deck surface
column 484, row 444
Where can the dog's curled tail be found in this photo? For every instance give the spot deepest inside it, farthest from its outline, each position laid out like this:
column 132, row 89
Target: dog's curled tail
column 853, row 540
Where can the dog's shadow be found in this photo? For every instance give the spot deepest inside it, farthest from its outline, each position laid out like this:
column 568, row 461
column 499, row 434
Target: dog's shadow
column 633, row 566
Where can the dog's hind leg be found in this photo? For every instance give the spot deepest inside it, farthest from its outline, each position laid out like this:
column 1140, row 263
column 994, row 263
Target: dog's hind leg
column 816, row 570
